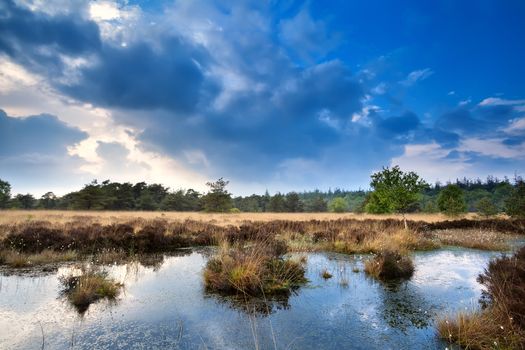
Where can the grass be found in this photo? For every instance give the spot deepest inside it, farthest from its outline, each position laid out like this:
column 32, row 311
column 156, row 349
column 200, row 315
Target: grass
column 326, row 274
column 472, row 238
column 17, row 259
column 89, row 287
column 90, row 234
column 255, row 269
column 390, row 265
column 500, row 324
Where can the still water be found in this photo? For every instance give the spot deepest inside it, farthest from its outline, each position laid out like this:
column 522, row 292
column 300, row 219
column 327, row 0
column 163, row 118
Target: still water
column 164, row 306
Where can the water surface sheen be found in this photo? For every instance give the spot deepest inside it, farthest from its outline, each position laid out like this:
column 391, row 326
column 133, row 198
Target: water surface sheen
column 165, row 306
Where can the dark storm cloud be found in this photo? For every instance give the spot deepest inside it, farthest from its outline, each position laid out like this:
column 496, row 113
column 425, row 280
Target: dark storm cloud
column 41, row 134
column 140, row 77
column 25, row 34
column 398, row 125
column 33, row 151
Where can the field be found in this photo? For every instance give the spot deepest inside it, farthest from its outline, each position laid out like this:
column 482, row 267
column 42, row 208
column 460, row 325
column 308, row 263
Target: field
column 108, row 217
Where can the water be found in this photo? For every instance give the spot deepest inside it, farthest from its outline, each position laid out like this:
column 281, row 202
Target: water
column 165, row 306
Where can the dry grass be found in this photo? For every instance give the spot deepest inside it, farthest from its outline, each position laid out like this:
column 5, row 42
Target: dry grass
column 390, row 265
column 501, row 323
column 88, row 235
column 473, row 238
column 91, row 286
column 112, row 217
column 256, row 269
column 480, row 330
column 16, row 259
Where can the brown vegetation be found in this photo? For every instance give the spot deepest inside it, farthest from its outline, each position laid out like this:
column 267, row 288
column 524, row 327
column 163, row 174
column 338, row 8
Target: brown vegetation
column 501, row 322
column 255, row 269
column 160, row 235
column 89, row 287
column 390, row 265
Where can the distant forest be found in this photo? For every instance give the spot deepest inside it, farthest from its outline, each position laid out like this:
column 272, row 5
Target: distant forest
column 109, row 195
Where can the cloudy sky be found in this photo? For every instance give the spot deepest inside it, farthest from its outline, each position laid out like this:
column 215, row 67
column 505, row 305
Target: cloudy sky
column 277, row 95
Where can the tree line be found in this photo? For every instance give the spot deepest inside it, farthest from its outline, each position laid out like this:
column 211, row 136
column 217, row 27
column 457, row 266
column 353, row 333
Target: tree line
column 391, row 191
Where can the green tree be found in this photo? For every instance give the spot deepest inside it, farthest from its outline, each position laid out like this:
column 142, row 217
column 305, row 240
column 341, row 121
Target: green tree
column 486, row 207
column 515, row 203
column 317, row 205
column 5, row 193
column 292, row 203
column 24, row 201
column 48, row 201
column 218, row 199
column 276, row 204
column 451, row 200
column 395, row 191
column 338, row 205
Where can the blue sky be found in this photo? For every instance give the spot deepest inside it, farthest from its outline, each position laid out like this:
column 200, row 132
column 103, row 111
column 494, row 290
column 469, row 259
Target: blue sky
column 277, row 95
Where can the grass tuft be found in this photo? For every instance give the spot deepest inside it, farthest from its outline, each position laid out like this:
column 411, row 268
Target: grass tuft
column 89, row 287
column 390, row 265
column 256, row 269
column 500, row 324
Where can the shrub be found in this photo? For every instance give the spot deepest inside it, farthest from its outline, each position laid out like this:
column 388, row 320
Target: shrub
column 234, row 211
column 390, row 265
column 451, row 201
column 486, row 207
column 338, row 205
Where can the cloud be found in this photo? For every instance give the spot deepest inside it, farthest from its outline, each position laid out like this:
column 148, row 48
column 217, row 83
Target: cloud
column 307, row 37
column 25, row 34
column 34, row 149
column 496, row 101
column 417, row 76
column 137, row 76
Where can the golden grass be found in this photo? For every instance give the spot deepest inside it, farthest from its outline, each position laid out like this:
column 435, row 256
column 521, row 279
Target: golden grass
column 255, row 269
column 481, row 330
column 110, row 217
column 390, row 265
column 473, row 238
column 16, row 259
column 91, row 286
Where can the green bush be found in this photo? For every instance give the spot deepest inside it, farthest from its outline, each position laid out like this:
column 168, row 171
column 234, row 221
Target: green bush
column 451, row 201
column 338, row 205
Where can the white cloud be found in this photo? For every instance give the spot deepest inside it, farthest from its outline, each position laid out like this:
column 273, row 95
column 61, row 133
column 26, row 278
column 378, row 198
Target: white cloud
column 429, row 161
column 496, row 101
column 492, row 148
column 517, row 126
column 416, row 76
column 104, row 10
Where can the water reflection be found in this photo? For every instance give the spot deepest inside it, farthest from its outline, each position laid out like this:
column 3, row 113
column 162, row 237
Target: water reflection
column 164, row 305
column 402, row 306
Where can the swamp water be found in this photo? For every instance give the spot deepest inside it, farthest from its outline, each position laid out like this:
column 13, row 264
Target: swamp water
column 164, row 306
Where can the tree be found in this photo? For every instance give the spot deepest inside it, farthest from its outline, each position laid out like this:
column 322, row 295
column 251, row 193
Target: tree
column 515, row 203
column 292, row 203
column 24, row 201
column 317, row 204
column 451, row 200
column 217, row 199
column 486, row 207
column 276, row 204
column 338, row 205
column 48, row 201
column 5, row 193
column 395, row 191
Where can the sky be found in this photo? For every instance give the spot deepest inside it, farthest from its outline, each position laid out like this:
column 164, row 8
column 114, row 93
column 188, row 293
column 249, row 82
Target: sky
column 271, row 95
